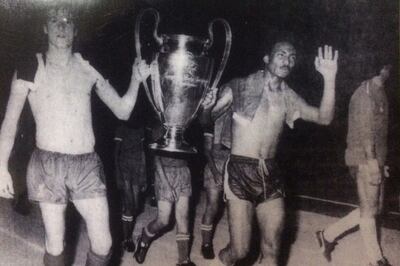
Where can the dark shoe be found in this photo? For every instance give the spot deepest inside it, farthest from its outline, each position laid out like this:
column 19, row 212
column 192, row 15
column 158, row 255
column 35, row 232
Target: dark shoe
column 207, row 251
column 187, row 263
column 128, row 245
column 326, row 246
column 141, row 251
column 381, row 262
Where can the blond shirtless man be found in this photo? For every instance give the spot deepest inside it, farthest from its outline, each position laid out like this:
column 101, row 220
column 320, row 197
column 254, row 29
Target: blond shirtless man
column 261, row 103
column 64, row 167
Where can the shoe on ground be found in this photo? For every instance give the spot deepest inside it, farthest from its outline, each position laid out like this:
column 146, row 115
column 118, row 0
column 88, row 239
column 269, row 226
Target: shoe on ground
column 381, row 262
column 207, row 251
column 141, row 251
column 186, row 263
column 326, row 246
column 128, row 245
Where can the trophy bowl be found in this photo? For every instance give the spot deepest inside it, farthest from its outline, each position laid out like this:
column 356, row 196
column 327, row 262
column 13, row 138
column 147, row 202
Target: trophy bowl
column 181, row 72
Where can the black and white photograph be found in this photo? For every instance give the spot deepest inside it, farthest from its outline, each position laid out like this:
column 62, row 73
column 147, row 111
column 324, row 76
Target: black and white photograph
column 199, row 132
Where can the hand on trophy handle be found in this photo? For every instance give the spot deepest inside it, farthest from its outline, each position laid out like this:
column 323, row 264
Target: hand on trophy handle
column 140, row 70
column 210, row 99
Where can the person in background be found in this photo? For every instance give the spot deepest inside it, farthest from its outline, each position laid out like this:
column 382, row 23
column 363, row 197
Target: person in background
column 366, row 157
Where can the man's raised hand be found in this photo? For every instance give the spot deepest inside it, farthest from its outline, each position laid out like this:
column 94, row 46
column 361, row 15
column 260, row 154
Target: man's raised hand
column 326, row 62
column 210, row 99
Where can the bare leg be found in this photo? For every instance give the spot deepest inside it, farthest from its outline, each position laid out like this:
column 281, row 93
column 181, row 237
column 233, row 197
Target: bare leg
column 163, row 216
column 53, row 216
column 240, row 216
column 270, row 217
column 207, row 222
column 95, row 213
column 182, row 229
column 152, row 229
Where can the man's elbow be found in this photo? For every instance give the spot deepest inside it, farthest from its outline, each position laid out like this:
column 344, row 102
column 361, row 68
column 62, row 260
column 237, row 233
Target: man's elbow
column 325, row 121
column 123, row 113
column 123, row 116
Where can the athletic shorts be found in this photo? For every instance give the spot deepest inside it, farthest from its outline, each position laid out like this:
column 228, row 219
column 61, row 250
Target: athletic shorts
column 56, row 177
column 176, row 179
column 253, row 180
column 132, row 168
column 220, row 158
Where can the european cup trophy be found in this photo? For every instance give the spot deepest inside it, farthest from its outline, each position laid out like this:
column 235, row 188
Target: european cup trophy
column 181, row 73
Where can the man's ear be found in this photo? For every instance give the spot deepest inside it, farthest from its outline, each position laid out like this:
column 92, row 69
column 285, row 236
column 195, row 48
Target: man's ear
column 266, row 59
column 45, row 29
column 75, row 32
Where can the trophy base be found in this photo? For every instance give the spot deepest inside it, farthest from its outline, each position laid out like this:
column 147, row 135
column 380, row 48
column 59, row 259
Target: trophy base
column 173, row 141
column 179, row 147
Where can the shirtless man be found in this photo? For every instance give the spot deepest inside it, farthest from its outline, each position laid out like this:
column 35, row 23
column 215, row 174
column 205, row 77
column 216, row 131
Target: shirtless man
column 261, row 103
column 64, row 165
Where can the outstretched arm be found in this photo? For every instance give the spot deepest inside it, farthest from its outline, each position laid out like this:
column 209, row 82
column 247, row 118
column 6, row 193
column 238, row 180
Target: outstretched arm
column 326, row 65
column 19, row 92
column 123, row 106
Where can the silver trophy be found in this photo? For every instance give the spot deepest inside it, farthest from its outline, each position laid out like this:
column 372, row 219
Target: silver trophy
column 181, row 72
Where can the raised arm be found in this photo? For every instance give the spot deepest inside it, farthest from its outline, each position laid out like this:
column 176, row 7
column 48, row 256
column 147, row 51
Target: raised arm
column 123, row 106
column 326, row 65
column 18, row 95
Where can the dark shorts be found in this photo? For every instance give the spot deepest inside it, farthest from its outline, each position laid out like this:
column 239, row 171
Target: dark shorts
column 56, row 177
column 132, row 168
column 177, row 180
column 253, row 180
column 220, row 158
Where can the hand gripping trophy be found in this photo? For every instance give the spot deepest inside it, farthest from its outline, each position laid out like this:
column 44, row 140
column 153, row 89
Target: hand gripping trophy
column 181, row 73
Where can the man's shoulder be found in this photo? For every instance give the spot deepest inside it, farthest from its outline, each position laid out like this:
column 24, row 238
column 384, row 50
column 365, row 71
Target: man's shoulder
column 86, row 67
column 361, row 92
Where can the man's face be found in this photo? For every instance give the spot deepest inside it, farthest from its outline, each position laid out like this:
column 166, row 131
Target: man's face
column 282, row 60
column 60, row 28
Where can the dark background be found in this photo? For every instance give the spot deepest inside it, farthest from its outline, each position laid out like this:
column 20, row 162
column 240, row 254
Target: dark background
column 312, row 156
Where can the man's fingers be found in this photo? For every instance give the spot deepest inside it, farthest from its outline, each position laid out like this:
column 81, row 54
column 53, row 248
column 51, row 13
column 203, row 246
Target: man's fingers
column 320, row 53
column 316, row 62
column 336, row 56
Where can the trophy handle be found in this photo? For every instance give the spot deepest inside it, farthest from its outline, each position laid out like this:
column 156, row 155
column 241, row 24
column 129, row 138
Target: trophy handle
column 138, row 48
column 228, row 44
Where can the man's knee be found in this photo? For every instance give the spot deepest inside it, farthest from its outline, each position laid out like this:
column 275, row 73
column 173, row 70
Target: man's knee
column 54, row 248
column 239, row 252
column 102, row 245
column 54, row 244
column 368, row 210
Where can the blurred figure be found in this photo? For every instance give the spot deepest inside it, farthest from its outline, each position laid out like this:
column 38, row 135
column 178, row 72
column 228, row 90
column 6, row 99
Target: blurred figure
column 365, row 156
column 130, row 173
column 216, row 151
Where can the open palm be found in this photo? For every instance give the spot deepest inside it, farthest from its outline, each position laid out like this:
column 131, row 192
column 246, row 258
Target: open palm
column 326, row 62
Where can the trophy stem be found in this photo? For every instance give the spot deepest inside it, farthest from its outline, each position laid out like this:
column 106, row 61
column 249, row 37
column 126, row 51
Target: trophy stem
column 173, row 141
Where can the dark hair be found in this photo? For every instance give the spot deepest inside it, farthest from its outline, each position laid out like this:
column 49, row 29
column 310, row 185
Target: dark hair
column 279, row 37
